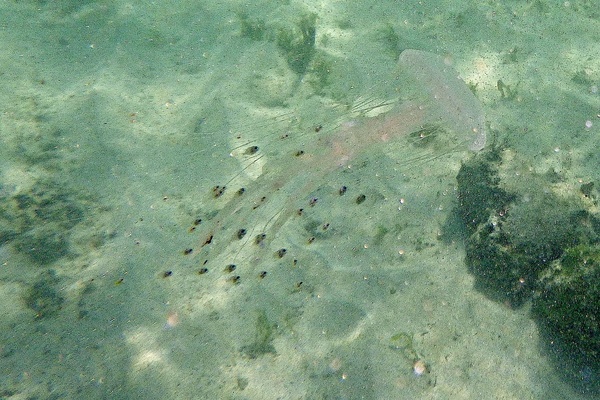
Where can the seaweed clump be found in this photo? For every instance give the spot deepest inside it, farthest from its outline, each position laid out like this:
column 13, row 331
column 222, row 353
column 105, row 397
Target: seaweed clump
column 263, row 340
column 37, row 222
column 567, row 306
column 518, row 223
column 255, row 29
column 569, row 299
column 296, row 43
column 529, row 239
column 42, row 297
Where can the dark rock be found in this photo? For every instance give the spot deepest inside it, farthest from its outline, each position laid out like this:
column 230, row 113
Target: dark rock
column 519, row 222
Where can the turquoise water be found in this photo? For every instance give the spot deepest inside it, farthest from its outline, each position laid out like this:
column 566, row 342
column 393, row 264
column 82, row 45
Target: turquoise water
column 119, row 118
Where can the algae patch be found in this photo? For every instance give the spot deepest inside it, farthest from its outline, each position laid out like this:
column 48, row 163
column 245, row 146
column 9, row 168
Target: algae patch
column 42, row 297
column 263, row 338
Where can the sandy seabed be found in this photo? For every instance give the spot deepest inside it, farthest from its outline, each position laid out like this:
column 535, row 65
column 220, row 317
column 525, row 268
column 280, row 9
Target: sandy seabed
column 118, row 119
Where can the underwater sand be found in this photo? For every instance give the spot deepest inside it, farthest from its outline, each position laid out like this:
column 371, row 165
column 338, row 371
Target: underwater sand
column 120, row 155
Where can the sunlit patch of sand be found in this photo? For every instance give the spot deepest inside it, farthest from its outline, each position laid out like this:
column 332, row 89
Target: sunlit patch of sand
column 148, row 352
column 482, row 71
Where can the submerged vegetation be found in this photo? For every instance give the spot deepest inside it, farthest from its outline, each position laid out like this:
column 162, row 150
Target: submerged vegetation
column 532, row 241
column 263, row 339
column 37, row 222
column 296, row 43
column 569, row 300
column 43, row 297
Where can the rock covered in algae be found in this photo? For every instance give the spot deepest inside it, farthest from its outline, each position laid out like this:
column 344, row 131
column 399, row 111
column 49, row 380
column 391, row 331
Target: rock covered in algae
column 567, row 305
column 519, row 222
column 568, row 300
column 534, row 237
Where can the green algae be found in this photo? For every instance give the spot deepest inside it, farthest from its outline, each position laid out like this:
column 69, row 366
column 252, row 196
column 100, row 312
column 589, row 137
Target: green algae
column 517, row 226
column 298, row 44
column 43, row 297
column 404, row 343
column 568, row 301
column 37, row 221
column 263, row 338
column 255, row 29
